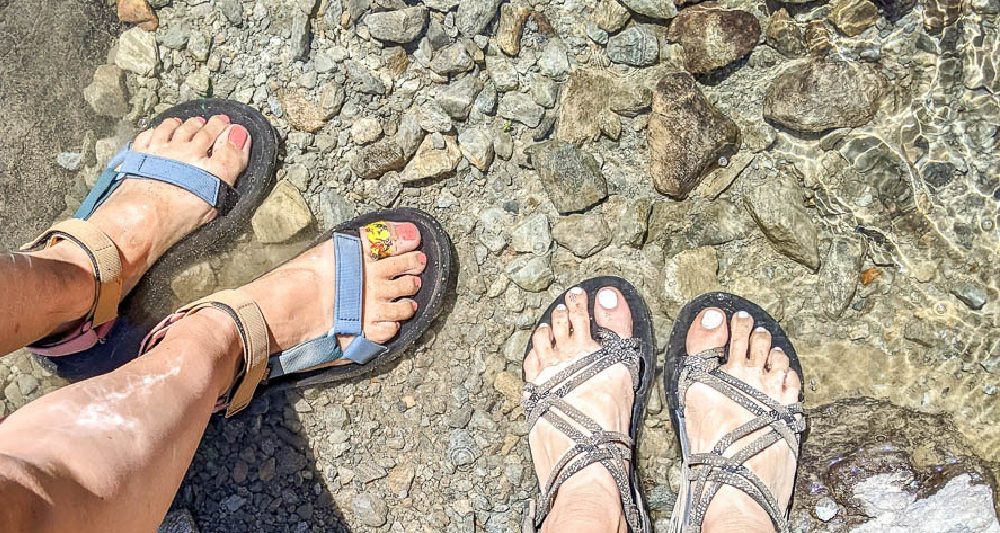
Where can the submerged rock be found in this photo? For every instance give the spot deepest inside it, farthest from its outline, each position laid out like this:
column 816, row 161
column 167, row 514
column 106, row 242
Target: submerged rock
column 657, row 9
column 687, row 135
column 939, row 14
column 817, row 95
column 636, row 46
column 775, row 202
column 712, row 36
column 839, row 275
column 785, row 35
column 571, row 177
column 852, row 17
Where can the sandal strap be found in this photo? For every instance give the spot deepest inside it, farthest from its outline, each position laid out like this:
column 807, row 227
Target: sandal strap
column 592, row 444
column 253, row 332
column 103, row 255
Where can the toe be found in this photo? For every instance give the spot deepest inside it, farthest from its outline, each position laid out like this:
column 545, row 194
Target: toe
column 560, row 325
column 164, row 132
column 791, row 387
column 410, row 263
column 382, row 332
column 387, row 239
column 541, row 346
column 777, row 360
column 613, row 313
column 209, row 133
column 395, row 311
column 708, row 331
column 187, row 130
column 579, row 312
column 739, row 341
column 390, row 289
column 230, row 153
column 141, row 142
column 532, row 366
column 760, row 345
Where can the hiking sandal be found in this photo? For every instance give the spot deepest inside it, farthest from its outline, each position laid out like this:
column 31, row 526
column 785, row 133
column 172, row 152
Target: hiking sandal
column 321, row 360
column 592, row 443
column 108, row 336
column 703, row 474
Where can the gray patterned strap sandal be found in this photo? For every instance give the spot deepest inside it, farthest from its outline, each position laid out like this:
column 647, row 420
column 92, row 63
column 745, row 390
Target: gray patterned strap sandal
column 592, row 443
column 703, row 474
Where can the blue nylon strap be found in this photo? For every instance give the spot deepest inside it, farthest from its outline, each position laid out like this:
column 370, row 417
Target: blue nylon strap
column 106, row 184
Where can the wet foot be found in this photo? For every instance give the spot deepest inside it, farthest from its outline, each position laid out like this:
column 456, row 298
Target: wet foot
column 591, row 496
column 297, row 298
column 144, row 217
column 710, row 415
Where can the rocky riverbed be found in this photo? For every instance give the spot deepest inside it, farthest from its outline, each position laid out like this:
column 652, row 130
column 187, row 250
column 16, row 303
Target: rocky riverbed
column 834, row 161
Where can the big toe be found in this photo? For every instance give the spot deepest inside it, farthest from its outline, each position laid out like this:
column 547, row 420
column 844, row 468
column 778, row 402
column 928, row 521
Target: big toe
column 708, row 331
column 230, row 153
column 612, row 312
column 385, row 239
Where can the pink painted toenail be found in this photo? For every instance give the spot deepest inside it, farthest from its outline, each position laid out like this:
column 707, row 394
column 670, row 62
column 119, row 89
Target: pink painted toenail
column 408, row 232
column 712, row 319
column 201, row 120
column 414, row 305
column 608, row 299
column 422, row 258
column 238, row 136
column 224, row 118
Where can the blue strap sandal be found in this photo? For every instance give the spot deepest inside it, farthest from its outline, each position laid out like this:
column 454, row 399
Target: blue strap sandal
column 110, row 333
column 321, row 360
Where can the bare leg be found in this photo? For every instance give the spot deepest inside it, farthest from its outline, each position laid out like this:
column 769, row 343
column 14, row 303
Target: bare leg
column 50, row 289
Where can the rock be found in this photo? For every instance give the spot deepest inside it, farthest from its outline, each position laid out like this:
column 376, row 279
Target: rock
column 409, row 133
column 400, row 479
column 400, row 26
column 199, row 45
column 176, row 37
column 433, row 118
column 545, row 92
column 178, row 521
column 474, row 15
column 716, row 223
column 106, row 94
column 657, row 9
column 512, row 19
column 477, row 146
column 70, row 160
column 784, row 35
column 457, row 97
column 852, row 17
column 26, row 383
column 194, row 282
column 532, row 235
column 431, row 161
column 816, row 95
column 939, row 14
column 584, row 234
column 826, row 509
column 713, row 37
column 493, row 228
column 282, row 215
column 776, row 204
column 366, row 130
column 838, row 279
column 636, row 46
column 553, row 61
column 687, row 136
column 972, row 295
column 374, row 160
column 138, row 11
column 137, row 52
column 200, row 82
column 364, row 79
column 571, row 177
column 689, row 274
column 509, row 385
column 628, row 219
column 453, row 59
column 369, row 509
column 819, row 41
column 234, row 503
column 503, row 73
column 522, row 108
column 583, row 103
column 504, row 146
column 610, row 15
column 298, row 42
column 531, row 272
column 307, row 115
column 232, row 10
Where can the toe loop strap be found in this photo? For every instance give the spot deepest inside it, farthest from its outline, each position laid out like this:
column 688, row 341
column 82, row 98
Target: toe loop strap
column 347, row 312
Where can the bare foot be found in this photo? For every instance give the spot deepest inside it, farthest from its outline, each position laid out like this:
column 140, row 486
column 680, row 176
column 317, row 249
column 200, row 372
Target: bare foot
column 589, row 499
column 710, row 415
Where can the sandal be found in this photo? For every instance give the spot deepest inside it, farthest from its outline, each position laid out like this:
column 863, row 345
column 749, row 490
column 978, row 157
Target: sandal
column 108, row 336
column 703, row 474
column 592, row 443
column 321, row 360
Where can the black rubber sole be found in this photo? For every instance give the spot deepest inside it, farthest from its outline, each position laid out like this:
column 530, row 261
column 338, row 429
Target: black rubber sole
column 642, row 323
column 152, row 298
column 436, row 282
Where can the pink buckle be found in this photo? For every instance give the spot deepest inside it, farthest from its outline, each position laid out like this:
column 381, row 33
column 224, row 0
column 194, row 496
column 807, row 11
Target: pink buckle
column 75, row 341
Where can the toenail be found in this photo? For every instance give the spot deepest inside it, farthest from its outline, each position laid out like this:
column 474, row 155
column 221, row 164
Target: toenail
column 608, row 299
column 422, row 258
column 238, row 136
column 742, row 314
column 712, row 319
column 408, row 232
column 561, row 307
column 414, row 305
column 760, row 330
column 543, row 325
column 201, row 120
column 777, row 349
column 224, row 118
column 576, row 290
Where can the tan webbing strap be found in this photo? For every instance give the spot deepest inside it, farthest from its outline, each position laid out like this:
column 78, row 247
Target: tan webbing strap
column 253, row 331
column 103, row 254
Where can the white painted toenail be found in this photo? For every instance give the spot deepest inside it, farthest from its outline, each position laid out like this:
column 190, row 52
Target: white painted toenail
column 561, row 307
column 760, row 330
column 742, row 314
column 576, row 290
column 712, row 319
column 543, row 325
column 608, row 299
column 777, row 349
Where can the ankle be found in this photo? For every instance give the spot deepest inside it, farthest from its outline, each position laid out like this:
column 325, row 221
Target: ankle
column 73, row 277
column 588, row 501
column 736, row 516
column 214, row 336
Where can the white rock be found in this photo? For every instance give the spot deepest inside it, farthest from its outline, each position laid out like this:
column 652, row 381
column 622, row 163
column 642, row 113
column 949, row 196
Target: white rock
column 282, row 215
column 137, row 52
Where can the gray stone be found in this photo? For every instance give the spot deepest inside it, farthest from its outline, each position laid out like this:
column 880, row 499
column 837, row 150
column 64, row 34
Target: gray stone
column 178, row 521
column 374, row 160
column 719, row 222
column 493, row 226
column 826, row 509
column 233, row 503
column 400, row 26
column 474, row 15
column 610, row 15
column 366, row 81
column 520, row 107
column 200, row 82
column 69, row 160
column 199, row 46
column 531, row 272
column 713, row 37
column 433, row 118
column 366, row 130
column 298, row 43
column 282, row 215
column 503, row 73
column 27, row 383
column 532, row 235
column 972, row 295
column 504, row 146
column 453, row 59
column 838, row 279
column 545, row 92
column 137, row 52
column 176, row 36
column 476, row 145
column 369, row 509
column 584, row 234
column 457, row 97
column 658, row 9
column 232, row 10
column 636, row 46
column 571, row 177
column 817, row 95
column 628, row 218
column 432, row 161
column 776, row 205
column 409, row 134
column 553, row 61
column 687, row 135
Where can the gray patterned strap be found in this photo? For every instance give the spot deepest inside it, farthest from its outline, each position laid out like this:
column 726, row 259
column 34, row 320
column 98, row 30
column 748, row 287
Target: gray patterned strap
column 592, row 444
column 708, row 472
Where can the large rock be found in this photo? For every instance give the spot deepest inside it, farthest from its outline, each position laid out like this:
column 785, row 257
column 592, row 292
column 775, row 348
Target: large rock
column 657, row 9
column 531, row 272
column 852, row 17
column 776, row 203
column 512, row 19
column 137, row 52
column 106, row 94
column 610, row 15
column 532, row 235
column 583, row 234
column 474, row 15
column 583, row 104
column 785, row 35
column 307, row 114
column 687, row 135
column 571, row 177
column 713, row 37
column 522, row 108
column 476, row 145
column 457, row 97
column 839, row 275
column 451, row 60
column 374, row 160
column 813, row 96
column 138, row 11
column 437, row 155
column 400, row 26
column 282, row 215
column 636, row 46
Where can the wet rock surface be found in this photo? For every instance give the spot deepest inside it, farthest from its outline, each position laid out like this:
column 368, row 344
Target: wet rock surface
column 713, row 37
column 817, row 95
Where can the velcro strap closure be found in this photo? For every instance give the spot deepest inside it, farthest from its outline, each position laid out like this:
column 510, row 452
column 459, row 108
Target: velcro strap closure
column 197, row 181
column 103, row 255
column 253, row 332
column 350, row 278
